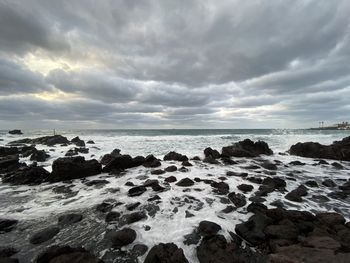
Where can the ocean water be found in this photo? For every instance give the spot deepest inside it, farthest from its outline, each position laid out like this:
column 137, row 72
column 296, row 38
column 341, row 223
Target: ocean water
column 39, row 206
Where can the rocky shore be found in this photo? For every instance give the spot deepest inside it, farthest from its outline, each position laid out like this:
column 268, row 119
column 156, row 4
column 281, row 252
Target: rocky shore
column 243, row 203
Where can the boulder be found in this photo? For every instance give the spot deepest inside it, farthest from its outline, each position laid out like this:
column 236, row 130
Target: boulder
column 122, row 237
column 174, row 156
column 69, row 219
column 151, row 161
column 246, row 148
column 120, row 162
column 209, row 152
column 24, row 151
column 338, row 150
column 207, row 228
column 46, row 140
column 15, row 132
column 296, row 194
column 166, row 253
column 44, row 235
column 185, row 182
column 137, row 190
column 7, row 225
column 171, row 168
column 109, row 156
column 68, row 168
column 27, row 175
column 66, row 254
column 39, row 156
column 78, row 142
column 237, row 199
column 245, row 187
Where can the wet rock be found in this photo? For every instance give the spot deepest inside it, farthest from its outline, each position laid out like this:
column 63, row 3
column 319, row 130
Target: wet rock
column 208, row 228
column 6, row 252
column 195, row 158
column 269, row 166
column 235, row 174
column 39, row 156
column 132, row 218
column 78, row 142
column 46, row 140
column 151, row 162
column 237, row 199
column 329, row 183
column 132, row 206
column 69, row 219
column 69, row 168
column 256, row 207
column 104, row 207
column 122, row 237
column 174, row 156
column 345, row 186
column 110, row 156
column 136, row 191
column 186, row 163
column 166, row 253
column 296, row 194
column 76, row 151
column 311, row 183
column 139, row 250
column 245, row 187
column 220, row 188
column 337, row 166
column 339, row 150
column 170, row 179
column 44, row 235
column 120, row 162
column 282, row 231
column 246, row 148
column 228, row 209
column 228, row 161
column 209, row 152
column 66, row 254
column 8, row 161
column 27, row 175
column 185, row 182
column 192, row 238
column 330, row 219
column 210, row 159
column 183, row 169
column 7, row 225
column 90, row 142
column 96, row 182
column 158, row 172
column 171, row 168
column 188, row 214
column 15, row 132
column 112, row 217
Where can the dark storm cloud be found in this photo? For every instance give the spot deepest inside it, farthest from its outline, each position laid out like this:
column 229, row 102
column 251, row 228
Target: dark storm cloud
column 166, row 62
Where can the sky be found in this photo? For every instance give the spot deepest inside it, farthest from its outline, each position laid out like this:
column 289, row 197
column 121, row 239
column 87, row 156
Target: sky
column 174, row 64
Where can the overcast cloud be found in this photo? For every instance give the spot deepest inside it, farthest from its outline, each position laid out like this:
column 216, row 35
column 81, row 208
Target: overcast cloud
column 174, row 64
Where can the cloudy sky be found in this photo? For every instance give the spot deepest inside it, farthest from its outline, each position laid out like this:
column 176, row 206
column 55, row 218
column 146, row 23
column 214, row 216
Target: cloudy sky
column 174, row 64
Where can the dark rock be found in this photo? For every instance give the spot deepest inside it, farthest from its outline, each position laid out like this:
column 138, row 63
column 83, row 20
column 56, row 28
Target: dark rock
column 183, row 169
column 296, row 194
column 283, row 231
column 228, row 161
column 329, row 183
column 44, row 235
column 207, row 228
column 171, row 168
column 242, row 175
column 210, row 159
column 339, row 150
column 120, row 162
column 69, row 168
column 345, row 186
column 112, row 217
column 110, row 156
column 170, row 179
column 76, row 151
column 39, row 156
column 255, row 207
column 46, row 140
column 96, row 182
column 158, row 171
column 9, row 161
column 296, row 163
column 15, row 132
column 246, row 148
column 122, row 237
column 129, row 184
column 151, row 162
column 7, row 225
column 188, row 214
column 27, row 175
column 90, row 142
column 174, row 156
column 311, row 183
column 209, row 152
column 245, row 187
column 185, row 182
column 269, row 166
column 6, row 252
column 195, row 158
column 139, row 250
column 228, row 209
column 186, row 163
column 132, row 218
column 104, row 207
column 338, row 165
column 221, row 188
column 237, row 199
column 69, row 219
column 192, row 238
column 331, row 219
column 66, row 254
column 78, row 142
column 165, row 253
column 136, row 191
column 132, row 206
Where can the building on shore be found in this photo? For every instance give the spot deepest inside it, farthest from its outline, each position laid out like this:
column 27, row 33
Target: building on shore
column 338, row 126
